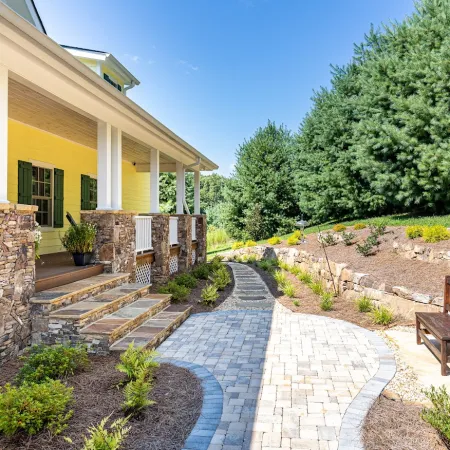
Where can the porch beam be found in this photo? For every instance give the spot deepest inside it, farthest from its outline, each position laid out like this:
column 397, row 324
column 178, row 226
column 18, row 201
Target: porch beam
column 3, row 134
column 154, row 181
column 116, row 168
column 104, row 166
column 197, row 192
column 180, row 187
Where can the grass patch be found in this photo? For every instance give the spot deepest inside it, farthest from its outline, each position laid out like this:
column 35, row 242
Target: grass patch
column 364, row 304
column 326, row 301
column 382, row 315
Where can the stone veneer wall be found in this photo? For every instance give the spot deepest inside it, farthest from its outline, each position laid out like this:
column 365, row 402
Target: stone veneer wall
column 17, row 276
column 352, row 284
column 115, row 244
column 161, row 247
column 201, row 237
column 185, row 241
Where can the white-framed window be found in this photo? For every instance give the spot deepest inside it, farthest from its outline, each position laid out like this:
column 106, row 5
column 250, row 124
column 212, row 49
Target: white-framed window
column 42, row 192
column 112, row 82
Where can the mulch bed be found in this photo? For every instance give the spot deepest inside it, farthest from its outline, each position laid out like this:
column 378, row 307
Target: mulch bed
column 386, row 266
column 396, row 425
column 164, row 426
column 195, row 295
column 309, row 303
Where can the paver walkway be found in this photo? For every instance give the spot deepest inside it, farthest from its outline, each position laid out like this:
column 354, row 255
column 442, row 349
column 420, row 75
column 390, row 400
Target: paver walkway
column 287, row 378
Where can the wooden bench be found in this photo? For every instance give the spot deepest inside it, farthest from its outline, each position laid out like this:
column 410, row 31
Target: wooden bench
column 438, row 325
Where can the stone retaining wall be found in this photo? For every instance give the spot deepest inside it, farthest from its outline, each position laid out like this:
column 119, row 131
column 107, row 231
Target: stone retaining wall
column 17, row 277
column 349, row 283
column 422, row 252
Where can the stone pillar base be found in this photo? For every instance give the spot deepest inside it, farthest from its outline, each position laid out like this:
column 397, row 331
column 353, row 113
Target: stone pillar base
column 201, row 237
column 185, row 241
column 161, row 247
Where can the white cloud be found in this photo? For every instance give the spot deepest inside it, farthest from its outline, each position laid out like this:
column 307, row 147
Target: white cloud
column 187, row 64
column 134, row 58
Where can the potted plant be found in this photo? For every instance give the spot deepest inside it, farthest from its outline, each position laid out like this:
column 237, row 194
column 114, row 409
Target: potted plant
column 79, row 240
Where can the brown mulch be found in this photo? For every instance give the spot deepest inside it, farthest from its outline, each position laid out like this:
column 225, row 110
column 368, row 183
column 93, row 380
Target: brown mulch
column 195, row 295
column 395, row 425
column 164, row 426
column 386, row 266
column 309, row 303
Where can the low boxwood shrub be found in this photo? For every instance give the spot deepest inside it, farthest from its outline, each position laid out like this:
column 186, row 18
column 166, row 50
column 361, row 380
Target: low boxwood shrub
column 382, row 315
column 438, row 415
column 209, row 294
column 201, row 271
column 135, row 361
column 414, row 231
column 274, row 240
column 52, row 362
column 326, row 301
column 237, row 245
column 298, row 234
column 33, row 407
column 339, row 227
column 435, row 233
column 359, row 226
column 250, row 243
column 178, row 292
column 364, row 304
column 221, row 278
column 187, row 280
column 292, row 240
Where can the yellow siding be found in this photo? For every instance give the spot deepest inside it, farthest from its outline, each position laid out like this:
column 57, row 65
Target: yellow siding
column 113, row 75
column 30, row 144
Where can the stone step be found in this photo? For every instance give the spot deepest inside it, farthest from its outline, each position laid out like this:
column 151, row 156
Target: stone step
column 52, row 299
column 155, row 330
column 103, row 332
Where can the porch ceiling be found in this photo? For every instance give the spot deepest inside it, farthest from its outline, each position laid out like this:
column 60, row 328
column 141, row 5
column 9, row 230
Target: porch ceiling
column 33, row 108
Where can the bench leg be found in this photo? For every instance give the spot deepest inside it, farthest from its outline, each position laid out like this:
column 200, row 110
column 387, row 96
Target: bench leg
column 419, row 340
column 443, row 358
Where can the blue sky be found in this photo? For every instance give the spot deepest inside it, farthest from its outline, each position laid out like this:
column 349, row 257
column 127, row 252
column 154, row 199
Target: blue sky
column 215, row 70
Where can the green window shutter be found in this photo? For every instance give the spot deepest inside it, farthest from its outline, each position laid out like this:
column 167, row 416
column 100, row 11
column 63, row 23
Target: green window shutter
column 25, row 183
column 85, row 196
column 58, row 198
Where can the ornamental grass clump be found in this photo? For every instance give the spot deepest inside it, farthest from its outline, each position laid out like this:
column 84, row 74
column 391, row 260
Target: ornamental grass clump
column 186, row 280
column 280, row 278
column 438, row 416
column 305, row 278
column 135, row 361
column 382, row 315
column 79, row 238
column 209, row 294
column 414, row 231
column 31, row 408
column 364, row 304
column 295, row 270
column 435, row 233
column 296, row 303
column 274, row 240
column 288, row 289
column 52, row 362
column 317, row 287
column 268, row 264
column 179, row 293
column 326, row 301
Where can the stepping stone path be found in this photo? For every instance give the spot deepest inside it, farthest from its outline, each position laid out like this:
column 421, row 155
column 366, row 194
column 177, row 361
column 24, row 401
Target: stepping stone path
column 289, row 381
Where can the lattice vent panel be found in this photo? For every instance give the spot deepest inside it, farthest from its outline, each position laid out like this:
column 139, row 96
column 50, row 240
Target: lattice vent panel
column 173, row 264
column 194, row 256
column 143, row 273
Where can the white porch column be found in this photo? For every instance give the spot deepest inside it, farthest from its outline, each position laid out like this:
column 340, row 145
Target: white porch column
column 154, row 181
column 3, row 134
column 197, row 192
column 103, row 165
column 180, row 188
column 116, row 168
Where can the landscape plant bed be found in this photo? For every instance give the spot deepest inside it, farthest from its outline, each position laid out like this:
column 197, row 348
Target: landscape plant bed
column 385, row 265
column 396, row 425
column 309, row 303
column 195, row 295
column 163, row 426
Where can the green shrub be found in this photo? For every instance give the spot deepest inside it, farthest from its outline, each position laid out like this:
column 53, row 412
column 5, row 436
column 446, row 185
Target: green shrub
column 414, row 231
column 186, row 280
column 237, row 245
column 378, row 228
column 367, row 247
column 136, row 394
column 382, row 315
column 348, row 238
column 296, row 303
column 280, row 278
column 359, row 226
column 274, row 240
column 438, row 415
column 435, row 233
column 295, row 270
column 364, row 304
column 58, row 361
column 268, row 264
column 249, row 258
column 33, row 407
column 210, row 294
column 298, row 234
column 305, row 277
column 79, row 238
column 135, row 361
column 221, row 278
column 326, row 301
column 316, row 287
column 283, row 265
column 288, row 289
column 178, row 292
column 250, row 243
column 292, row 240
column 328, row 239
column 201, row 271
column 339, row 227
column 215, row 263
column 102, row 438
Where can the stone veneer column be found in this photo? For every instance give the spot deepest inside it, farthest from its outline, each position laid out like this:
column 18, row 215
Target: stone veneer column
column 115, row 244
column 17, row 276
column 201, row 237
column 161, row 247
column 185, row 241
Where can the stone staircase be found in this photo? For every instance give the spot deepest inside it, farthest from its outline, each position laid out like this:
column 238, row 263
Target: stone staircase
column 106, row 312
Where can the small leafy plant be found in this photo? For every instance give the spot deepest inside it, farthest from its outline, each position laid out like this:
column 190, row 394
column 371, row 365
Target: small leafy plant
column 367, row 247
column 33, row 407
column 268, row 264
column 382, row 315
column 326, row 301
column 215, row 263
column 414, row 231
column 178, row 292
column 296, row 303
column 52, row 362
column 435, row 233
column 339, row 227
column 274, row 240
column 136, row 394
column 210, row 294
column 221, row 278
column 201, row 271
column 237, row 245
column 359, row 226
column 364, row 304
column 103, row 438
column 135, row 361
column 186, row 280
column 79, row 238
column 328, row 239
column 288, row 289
column 348, row 238
column 438, row 416
column 316, row 287
column 378, row 228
